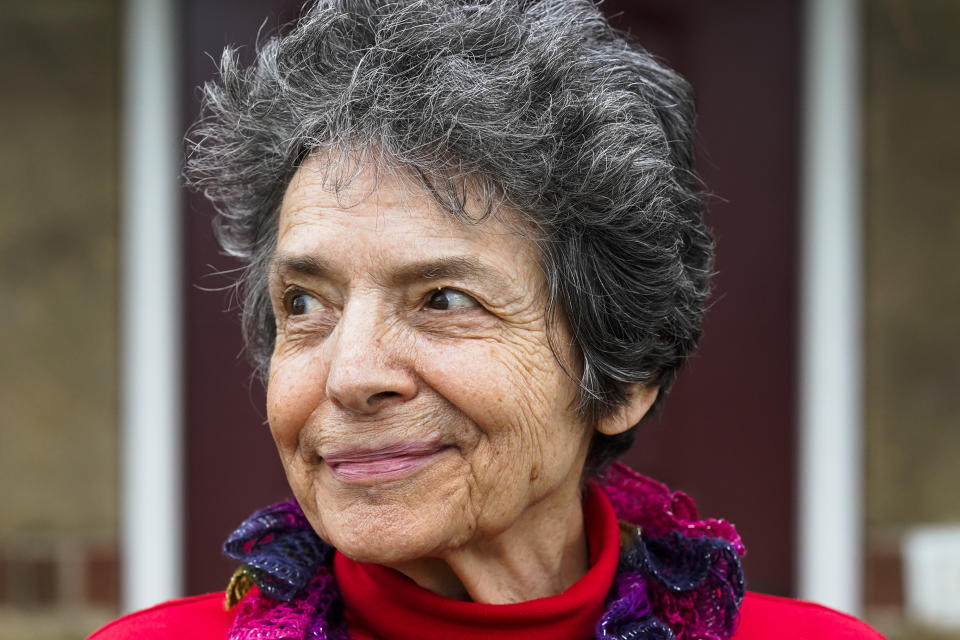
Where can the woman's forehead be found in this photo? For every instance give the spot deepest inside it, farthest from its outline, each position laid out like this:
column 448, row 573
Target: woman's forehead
column 346, row 181
column 388, row 218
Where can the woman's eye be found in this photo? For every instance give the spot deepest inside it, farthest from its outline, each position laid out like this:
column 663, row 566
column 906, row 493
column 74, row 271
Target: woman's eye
column 298, row 303
column 443, row 299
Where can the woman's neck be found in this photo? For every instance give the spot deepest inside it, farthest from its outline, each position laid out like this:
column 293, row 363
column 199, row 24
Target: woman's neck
column 540, row 555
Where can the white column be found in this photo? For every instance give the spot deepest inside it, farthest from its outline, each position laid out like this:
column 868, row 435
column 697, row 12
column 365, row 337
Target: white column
column 151, row 509
column 830, row 421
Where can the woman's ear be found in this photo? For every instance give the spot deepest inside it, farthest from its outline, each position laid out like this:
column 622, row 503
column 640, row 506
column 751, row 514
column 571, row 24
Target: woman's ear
column 639, row 400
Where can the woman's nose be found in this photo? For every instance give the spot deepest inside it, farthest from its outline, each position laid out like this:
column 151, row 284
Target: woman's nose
column 365, row 372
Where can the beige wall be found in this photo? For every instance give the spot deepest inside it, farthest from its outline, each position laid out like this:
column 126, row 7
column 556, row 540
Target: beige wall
column 58, row 295
column 912, row 236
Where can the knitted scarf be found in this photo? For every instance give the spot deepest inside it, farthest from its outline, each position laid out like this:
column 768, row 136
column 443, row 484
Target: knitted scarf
column 678, row 578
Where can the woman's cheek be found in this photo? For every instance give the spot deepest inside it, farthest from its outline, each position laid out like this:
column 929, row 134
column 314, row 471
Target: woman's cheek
column 467, row 371
column 293, row 393
column 484, row 381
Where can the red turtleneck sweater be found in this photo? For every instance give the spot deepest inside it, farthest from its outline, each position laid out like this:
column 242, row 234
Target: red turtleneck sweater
column 382, row 603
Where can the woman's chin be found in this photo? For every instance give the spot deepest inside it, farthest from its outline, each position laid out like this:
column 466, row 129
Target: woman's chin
column 391, row 525
column 391, row 541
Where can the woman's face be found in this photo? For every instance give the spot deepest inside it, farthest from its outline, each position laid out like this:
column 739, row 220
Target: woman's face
column 413, row 396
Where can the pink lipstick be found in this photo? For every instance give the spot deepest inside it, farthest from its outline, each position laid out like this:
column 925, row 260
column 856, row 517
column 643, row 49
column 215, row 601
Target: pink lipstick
column 365, row 466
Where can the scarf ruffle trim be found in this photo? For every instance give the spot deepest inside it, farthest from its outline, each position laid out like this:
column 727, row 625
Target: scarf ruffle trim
column 678, row 579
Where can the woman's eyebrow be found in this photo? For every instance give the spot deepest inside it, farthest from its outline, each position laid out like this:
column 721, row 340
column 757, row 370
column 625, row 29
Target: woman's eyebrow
column 301, row 264
column 452, row 267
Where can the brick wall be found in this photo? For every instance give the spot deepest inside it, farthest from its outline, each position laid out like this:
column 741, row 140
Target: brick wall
column 58, row 276
column 912, row 236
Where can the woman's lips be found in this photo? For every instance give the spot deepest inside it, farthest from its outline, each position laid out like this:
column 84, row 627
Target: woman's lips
column 364, row 466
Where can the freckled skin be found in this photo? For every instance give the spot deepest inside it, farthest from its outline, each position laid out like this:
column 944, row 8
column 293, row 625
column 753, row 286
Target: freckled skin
column 497, row 516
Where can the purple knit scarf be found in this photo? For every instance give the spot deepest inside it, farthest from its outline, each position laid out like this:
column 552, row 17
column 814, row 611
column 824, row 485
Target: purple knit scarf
column 679, row 579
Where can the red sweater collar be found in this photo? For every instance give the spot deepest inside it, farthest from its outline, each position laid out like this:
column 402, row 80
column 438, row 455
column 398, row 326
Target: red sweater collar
column 383, row 603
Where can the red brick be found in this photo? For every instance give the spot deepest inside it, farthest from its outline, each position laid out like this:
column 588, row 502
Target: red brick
column 883, row 576
column 4, row 592
column 31, row 580
column 102, row 576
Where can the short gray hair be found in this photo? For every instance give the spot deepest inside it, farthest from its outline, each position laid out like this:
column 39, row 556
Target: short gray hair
column 539, row 103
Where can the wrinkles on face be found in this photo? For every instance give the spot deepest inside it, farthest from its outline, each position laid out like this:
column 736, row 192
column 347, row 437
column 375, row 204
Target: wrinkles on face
column 370, row 366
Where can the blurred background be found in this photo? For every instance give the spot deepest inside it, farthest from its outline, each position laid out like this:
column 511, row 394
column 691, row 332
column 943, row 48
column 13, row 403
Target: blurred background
column 821, row 415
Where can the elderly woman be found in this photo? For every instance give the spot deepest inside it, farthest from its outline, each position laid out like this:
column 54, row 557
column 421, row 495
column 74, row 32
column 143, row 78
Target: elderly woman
column 476, row 261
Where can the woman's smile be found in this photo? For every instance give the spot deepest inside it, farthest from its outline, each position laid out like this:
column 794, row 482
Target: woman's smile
column 395, row 461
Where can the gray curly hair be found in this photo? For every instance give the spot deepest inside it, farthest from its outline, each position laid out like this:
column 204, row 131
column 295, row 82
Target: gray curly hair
column 538, row 103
